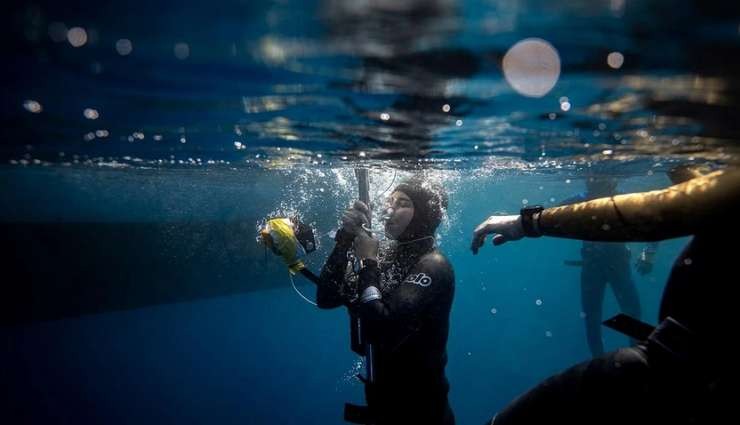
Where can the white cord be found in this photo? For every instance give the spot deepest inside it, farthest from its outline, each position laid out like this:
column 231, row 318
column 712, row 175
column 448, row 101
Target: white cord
column 299, row 292
column 416, row 240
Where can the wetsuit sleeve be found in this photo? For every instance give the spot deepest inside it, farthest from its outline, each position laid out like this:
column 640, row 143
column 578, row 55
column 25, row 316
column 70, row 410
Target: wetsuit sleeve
column 429, row 285
column 331, row 281
column 680, row 210
column 581, row 197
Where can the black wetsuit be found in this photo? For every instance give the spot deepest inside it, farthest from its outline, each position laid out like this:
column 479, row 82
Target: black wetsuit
column 644, row 384
column 408, row 328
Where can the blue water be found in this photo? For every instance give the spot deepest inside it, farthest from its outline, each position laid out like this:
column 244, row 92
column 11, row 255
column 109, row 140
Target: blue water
column 233, row 111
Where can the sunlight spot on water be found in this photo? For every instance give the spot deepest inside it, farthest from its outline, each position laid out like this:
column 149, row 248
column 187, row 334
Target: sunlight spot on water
column 182, row 51
column 91, row 114
column 32, row 106
column 532, row 67
column 124, row 47
column 538, row 302
column 446, row 108
column 615, row 60
column 77, row 36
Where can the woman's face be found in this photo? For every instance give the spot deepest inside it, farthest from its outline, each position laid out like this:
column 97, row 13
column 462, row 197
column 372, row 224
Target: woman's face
column 400, row 211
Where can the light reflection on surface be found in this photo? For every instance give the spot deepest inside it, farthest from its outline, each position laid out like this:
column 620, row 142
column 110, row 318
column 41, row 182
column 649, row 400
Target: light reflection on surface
column 532, row 67
column 124, row 47
column 182, row 51
column 32, row 106
column 77, row 36
column 615, row 60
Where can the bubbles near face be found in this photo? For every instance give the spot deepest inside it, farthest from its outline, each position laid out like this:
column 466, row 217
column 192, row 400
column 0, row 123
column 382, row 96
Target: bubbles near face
column 399, row 214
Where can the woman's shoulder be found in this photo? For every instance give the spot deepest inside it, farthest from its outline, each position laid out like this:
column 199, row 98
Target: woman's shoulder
column 435, row 259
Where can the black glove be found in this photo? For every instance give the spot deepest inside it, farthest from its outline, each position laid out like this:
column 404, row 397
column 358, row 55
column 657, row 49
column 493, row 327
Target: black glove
column 354, row 218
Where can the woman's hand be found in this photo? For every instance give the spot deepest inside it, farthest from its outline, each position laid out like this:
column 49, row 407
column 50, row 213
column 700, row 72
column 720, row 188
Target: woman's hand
column 504, row 228
column 355, row 217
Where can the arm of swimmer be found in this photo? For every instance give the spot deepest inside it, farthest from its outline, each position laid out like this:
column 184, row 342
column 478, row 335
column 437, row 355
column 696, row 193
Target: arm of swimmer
column 678, row 210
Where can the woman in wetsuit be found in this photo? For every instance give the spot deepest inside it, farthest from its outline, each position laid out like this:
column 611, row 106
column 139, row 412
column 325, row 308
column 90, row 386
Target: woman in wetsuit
column 403, row 297
column 680, row 372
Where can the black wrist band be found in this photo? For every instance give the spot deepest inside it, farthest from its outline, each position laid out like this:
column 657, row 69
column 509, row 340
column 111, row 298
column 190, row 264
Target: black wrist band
column 531, row 220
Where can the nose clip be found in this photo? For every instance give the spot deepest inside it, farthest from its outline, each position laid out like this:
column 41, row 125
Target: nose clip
column 388, row 213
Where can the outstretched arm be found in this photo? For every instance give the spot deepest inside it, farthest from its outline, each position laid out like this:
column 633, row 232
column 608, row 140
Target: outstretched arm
column 679, row 210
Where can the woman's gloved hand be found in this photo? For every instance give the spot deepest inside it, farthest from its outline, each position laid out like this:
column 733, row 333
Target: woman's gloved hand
column 355, row 217
column 366, row 246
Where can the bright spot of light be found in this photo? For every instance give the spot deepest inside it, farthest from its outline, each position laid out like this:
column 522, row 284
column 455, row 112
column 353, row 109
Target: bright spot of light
column 102, row 133
column 459, row 123
column 538, row 302
column 124, row 47
column 91, row 114
column 607, row 152
column 565, row 106
column 57, row 32
column 238, row 145
column 385, row 116
column 182, row 51
column 615, row 60
column 494, row 311
column 445, row 108
column 77, row 36
column 362, row 154
column 32, row 106
column 532, row 67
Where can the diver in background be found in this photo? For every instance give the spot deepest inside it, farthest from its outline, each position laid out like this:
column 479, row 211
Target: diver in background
column 403, row 297
column 606, row 264
column 680, row 371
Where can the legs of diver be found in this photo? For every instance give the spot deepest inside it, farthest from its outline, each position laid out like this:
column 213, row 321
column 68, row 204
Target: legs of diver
column 593, row 286
column 625, row 292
